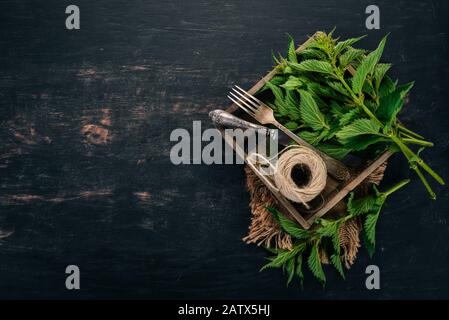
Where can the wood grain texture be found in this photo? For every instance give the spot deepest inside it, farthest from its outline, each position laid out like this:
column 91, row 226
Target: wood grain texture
column 85, row 175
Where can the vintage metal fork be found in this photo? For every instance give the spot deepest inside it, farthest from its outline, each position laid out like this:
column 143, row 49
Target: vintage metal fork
column 264, row 115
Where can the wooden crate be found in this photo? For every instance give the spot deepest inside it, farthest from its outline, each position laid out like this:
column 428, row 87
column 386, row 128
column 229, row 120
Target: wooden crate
column 334, row 192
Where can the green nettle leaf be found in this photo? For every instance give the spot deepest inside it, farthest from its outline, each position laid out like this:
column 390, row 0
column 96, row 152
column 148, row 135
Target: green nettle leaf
column 372, row 105
column 336, row 262
column 292, row 103
column 298, row 272
column 314, row 264
column 313, row 66
column 321, row 46
column 340, row 46
column 310, row 113
column 275, row 59
column 289, row 226
column 369, row 225
column 357, row 128
column 273, row 250
column 319, row 102
column 360, row 143
column 288, row 260
column 336, row 152
column 349, row 116
column 279, row 260
column 292, row 126
column 359, row 78
column 330, row 134
column 361, row 205
column 375, row 56
column 338, row 86
column 330, row 33
column 350, row 55
column 291, row 51
column 277, row 92
column 312, row 53
column 336, row 239
column 319, row 89
column 327, row 229
column 404, row 89
column 276, row 81
column 282, row 108
column 392, row 103
column 369, row 228
column 310, row 137
column 325, row 134
column 292, row 83
column 368, row 87
column 379, row 72
column 387, row 86
column 370, row 248
column 287, row 70
column 290, row 268
column 367, row 67
column 389, row 107
column 336, row 110
column 291, row 99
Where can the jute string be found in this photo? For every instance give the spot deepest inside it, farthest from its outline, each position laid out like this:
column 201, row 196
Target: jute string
column 313, row 168
column 312, row 165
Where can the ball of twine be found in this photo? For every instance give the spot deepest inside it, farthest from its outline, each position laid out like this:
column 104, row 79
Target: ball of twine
column 313, row 167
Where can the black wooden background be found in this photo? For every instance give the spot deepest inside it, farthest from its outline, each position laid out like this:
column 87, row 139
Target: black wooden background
column 85, row 174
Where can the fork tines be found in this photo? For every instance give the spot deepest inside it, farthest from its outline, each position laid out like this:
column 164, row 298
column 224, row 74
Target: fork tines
column 245, row 101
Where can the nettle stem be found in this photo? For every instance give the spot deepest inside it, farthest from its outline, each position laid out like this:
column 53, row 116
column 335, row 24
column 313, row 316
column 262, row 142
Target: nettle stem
column 418, row 142
column 408, row 131
column 412, row 158
column 396, row 187
column 359, row 102
column 425, row 183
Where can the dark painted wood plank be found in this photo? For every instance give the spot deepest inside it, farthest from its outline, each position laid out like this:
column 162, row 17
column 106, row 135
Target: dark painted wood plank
column 85, row 176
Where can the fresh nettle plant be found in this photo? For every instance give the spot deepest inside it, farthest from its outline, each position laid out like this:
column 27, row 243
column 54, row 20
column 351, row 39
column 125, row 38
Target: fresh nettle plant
column 324, row 236
column 340, row 100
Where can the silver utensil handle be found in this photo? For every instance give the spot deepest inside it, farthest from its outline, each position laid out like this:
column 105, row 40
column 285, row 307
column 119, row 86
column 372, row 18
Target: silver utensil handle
column 225, row 119
column 335, row 168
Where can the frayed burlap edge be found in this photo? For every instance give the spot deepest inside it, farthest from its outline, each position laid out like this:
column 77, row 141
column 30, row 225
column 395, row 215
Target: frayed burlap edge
column 264, row 229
